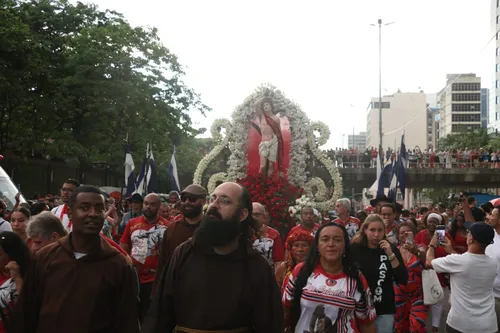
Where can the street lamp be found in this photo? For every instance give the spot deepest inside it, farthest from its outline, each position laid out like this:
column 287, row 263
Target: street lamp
column 380, row 147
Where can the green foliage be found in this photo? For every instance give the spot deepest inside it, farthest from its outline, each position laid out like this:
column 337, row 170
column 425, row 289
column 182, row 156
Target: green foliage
column 75, row 80
column 467, row 139
column 437, row 194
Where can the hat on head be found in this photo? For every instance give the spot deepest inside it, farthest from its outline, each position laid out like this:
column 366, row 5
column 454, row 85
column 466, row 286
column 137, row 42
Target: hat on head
column 481, row 232
column 136, row 197
column 195, row 189
column 379, row 198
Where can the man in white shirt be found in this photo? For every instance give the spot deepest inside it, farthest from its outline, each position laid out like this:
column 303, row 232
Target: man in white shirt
column 61, row 211
column 471, row 277
column 493, row 251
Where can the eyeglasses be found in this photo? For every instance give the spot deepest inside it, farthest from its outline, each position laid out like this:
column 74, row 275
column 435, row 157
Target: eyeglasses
column 190, row 198
column 65, row 189
column 222, row 200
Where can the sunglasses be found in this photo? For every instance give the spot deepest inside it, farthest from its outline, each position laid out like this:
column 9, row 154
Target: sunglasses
column 190, row 198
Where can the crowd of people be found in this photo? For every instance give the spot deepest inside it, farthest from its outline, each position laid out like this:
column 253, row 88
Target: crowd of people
column 200, row 262
column 417, row 158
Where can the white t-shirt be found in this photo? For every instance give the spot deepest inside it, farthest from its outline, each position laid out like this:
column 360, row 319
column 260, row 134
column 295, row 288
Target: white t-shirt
column 5, row 225
column 493, row 251
column 59, row 211
column 472, row 302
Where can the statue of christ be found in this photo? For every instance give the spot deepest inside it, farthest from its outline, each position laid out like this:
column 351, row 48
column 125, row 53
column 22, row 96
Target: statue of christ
column 271, row 145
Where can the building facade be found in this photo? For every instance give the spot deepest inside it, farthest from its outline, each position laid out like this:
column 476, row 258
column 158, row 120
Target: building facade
column 357, row 141
column 485, row 97
column 460, row 104
column 400, row 112
column 432, row 126
column 494, row 93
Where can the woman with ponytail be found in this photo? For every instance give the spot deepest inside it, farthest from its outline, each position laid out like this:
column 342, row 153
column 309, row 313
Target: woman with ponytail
column 327, row 293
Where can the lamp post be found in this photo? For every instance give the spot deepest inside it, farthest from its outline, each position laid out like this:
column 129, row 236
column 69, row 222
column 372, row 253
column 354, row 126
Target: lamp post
column 380, row 147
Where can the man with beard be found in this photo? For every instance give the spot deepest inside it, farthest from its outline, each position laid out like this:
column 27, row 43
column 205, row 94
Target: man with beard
column 79, row 283
column 193, row 198
column 142, row 241
column 216, row 281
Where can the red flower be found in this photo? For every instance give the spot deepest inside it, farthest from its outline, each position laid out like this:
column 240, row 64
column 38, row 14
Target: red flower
column 276, row 196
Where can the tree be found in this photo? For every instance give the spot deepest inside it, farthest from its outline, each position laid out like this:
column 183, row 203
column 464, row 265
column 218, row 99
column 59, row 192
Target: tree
column 76, row 80
column 465, row 139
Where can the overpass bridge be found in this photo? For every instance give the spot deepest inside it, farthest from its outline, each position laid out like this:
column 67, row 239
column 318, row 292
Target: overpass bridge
column 359, row 178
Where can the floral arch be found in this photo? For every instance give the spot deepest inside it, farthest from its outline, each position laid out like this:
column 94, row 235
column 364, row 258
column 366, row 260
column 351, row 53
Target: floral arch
column 303, row 142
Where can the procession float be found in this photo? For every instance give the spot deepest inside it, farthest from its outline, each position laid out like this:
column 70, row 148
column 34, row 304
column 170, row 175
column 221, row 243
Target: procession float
column 273, row 145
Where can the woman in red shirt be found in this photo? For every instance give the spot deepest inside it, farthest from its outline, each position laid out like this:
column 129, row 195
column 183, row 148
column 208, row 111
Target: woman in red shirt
column 297, row 246
column 422, row 240
column 459, row 234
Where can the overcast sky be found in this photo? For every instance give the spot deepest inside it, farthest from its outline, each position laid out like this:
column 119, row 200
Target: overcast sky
column 322, row 54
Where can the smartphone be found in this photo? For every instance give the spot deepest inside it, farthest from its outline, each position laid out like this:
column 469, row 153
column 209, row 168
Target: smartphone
column 409, row 238
column 441, row 231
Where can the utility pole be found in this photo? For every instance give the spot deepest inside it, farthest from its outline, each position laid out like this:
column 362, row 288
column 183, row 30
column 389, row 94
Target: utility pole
column 380, row 147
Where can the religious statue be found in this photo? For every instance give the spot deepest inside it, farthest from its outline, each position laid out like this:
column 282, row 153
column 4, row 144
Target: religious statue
column 271, row 147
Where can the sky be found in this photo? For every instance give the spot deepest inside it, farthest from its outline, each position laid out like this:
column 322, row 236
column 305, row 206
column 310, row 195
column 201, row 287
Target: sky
column 321, row 54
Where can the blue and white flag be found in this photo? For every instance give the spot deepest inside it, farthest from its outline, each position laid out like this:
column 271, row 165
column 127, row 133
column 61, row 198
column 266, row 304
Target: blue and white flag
column 129, row 172
column 141, row 177
column 398, row 179
column 172, row 170
column 151, row 175
column 382, row 180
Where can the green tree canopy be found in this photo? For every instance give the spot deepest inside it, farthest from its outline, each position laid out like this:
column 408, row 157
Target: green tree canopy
column 466, row 139
column 74, row 80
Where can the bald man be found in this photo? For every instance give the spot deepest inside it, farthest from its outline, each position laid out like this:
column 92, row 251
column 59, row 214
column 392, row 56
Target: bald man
column 216, row 281
column 267, row 240
column 142, row 241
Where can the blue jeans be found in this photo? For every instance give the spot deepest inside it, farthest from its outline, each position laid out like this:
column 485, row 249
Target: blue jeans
column 385, row 323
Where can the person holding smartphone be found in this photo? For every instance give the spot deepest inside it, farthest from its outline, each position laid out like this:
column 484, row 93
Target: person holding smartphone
column 422, row 240
column 411, row 312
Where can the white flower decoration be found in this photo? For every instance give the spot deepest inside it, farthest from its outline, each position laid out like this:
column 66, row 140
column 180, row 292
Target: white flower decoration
column 303, row 141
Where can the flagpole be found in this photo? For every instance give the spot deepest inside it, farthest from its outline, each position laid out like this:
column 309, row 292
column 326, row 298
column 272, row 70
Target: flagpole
column 146, row 163
column 125, row 144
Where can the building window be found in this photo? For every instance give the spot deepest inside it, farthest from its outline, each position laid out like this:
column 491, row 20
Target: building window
column 496, row 99
column 496, row 84
column 466, row 117
column 465, row 127
column 465, row 97
column 466, row 107
column 496, row 68
column 466, row 86
column 497, row 19
column 497, row 52
column 385, row 105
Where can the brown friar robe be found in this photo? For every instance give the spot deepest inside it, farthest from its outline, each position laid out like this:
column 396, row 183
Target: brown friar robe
column 94, row 294
column 204, row 291
column 177, row 233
